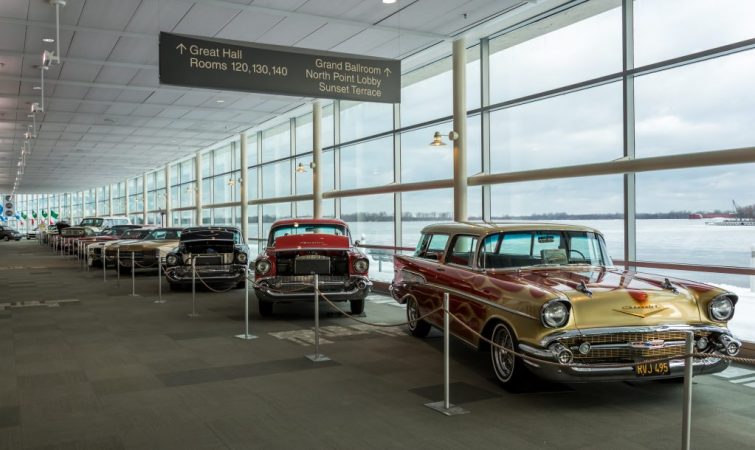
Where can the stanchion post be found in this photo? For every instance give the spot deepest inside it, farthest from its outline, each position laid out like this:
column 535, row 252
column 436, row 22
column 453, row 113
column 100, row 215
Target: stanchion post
column 86, row 257
column 246, row 334
column 193, row 287
column 104, row 265
column 445, row 406
column 317, row 357
column 133, row 276
column 159, row 279
column 687, row 407
column 118, row 265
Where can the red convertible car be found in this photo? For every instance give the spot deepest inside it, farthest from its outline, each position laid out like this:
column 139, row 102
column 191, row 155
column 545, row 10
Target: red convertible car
column 297, row 249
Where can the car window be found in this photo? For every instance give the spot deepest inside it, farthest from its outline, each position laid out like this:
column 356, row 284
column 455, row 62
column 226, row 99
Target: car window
column 462, row 250
column 584, row 247
column 516, row 243
column 545, row 240
column 435, row 247
column 422, row 244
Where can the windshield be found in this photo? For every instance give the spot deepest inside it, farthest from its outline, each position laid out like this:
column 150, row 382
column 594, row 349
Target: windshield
column 542, row 248
column 91, row 222
column 164, row 235
column 307, row 228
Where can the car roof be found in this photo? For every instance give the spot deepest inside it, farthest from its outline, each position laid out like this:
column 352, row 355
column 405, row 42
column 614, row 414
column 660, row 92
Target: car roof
column 485, row 228
column 308, row 220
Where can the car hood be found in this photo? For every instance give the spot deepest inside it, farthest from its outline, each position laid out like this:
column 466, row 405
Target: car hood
column 310, row 241
column 149, row 245
column 620, row 298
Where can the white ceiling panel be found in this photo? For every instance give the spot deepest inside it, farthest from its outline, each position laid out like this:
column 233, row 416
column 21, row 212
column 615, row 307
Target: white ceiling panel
column 146, row 77
column 367, row 39
column 329, row 35
column 110, row 14
column 91, row 45
column 79, row 72
column 103, row 94
column 290, row 30
column 43, row 12
column 133, row 96
column 116, row 75
column 205, row 20
column 248, row 26
column 136, row 51
column 12, row 37
column 15, row 9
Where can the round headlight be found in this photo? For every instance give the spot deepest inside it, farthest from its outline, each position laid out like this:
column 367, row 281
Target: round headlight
column 171, row 260
column 554, row 314
column 361, row 265
column 241, row 257
column 721, row 308
column 263, row 266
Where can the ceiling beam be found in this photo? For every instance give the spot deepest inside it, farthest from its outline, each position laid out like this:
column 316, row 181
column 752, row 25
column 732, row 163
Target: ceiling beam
column 96, row 62
column 193, row 131
column 25, row 112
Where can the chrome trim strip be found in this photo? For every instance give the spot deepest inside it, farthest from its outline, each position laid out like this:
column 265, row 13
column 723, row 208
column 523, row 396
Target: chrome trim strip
column 565, row 334
column 477, row 299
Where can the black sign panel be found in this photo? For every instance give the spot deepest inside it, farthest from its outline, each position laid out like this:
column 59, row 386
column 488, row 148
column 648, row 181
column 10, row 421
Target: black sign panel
column 221, row 64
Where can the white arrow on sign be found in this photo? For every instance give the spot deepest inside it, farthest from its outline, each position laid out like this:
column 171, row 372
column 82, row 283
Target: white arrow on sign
column 387, row 72
column 181, row 48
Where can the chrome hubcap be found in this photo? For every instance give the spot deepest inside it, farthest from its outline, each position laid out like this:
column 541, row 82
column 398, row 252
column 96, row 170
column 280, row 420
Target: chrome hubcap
column 503, row 362
column 412, row 313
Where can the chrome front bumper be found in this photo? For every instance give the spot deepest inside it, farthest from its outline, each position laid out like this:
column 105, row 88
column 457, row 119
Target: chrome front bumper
column 300, row 288
column 209, row 274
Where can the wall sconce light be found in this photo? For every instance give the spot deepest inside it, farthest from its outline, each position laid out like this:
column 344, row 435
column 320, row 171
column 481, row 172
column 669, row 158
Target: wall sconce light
column 300, row 168
column 438, row 138
column 232, row 181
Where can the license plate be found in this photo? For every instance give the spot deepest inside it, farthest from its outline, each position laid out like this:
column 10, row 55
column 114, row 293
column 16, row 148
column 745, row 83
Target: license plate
column 651, row 370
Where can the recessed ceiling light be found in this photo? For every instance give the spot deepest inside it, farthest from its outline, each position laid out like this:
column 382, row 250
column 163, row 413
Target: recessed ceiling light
column 389, row 2
column 36, row 88
column 50, row 40
column 219, row 101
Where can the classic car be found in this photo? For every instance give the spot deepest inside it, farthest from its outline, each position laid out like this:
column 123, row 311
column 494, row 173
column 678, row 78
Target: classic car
column 71, row 235
column 109, row 234
column 298, row 248
column 146, row 253
column 218, row 254
column 33, row 234
column 550, row 292
column 8, row 233
column 110, row 248
column 104, row 222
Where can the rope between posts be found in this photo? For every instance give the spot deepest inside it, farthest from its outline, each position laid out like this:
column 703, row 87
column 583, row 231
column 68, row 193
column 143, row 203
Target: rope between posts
column 379, row 325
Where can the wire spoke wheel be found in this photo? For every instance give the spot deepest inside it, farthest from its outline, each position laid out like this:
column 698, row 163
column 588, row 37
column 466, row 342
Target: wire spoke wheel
column 504, row 363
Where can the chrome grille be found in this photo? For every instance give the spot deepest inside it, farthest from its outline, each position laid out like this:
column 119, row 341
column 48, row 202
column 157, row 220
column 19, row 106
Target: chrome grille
column 623, row 352
column 308, row 279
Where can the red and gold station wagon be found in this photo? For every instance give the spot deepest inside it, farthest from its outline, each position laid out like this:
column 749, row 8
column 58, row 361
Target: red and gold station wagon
column 550, row 291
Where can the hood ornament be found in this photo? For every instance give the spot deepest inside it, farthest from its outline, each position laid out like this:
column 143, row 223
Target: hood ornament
column 668, row 286
column 582, row 287
column 641, row 311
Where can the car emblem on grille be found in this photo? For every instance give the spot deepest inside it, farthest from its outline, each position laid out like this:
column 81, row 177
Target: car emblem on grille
column 652, row 344
column 641, row 311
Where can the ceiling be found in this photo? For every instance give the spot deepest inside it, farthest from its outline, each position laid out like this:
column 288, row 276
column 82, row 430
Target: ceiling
column 108, row 118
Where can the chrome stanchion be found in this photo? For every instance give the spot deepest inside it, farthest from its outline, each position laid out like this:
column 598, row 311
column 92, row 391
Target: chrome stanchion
column 86, row 257
column 133, row 277
column 104, row 265
column 193, row 288
column 246, row 334
column 159, row 279
column 118, row 265
column 317, row 357
column 445, row 406
column 687, row 407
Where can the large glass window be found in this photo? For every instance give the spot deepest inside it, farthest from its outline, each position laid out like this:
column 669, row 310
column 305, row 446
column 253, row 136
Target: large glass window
column 688, row 216
column 276, row 142
column 577, row 128
column 682, row 110
column 276, row 179
column 581, row 43
column 665, row 29
column 360, row 120
column 367, row 164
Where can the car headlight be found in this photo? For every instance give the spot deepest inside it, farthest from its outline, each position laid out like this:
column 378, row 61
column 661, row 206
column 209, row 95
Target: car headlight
column 721, row 308
column 555, row 313
column 171, row 260
column 263, row 266
column 361, row 265
column 241, row 258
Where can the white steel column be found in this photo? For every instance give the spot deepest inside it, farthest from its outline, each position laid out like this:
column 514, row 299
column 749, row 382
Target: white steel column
column 485, row 125
column 125, row 198
column 630, row 204
column 316, row 157
column 198, row 191
column 96, row 202
column 460, row 126
column 144, row 198
column 168, row 200
column 110, row 199
column 243, row 187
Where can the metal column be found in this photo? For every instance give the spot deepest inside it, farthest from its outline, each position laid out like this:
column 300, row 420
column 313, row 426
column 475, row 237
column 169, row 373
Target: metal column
column 244, row 197
column 460, row 126
column 168, row 201
column 144, row 198
column 316, row 153
column 198, row 189
column 630, row 205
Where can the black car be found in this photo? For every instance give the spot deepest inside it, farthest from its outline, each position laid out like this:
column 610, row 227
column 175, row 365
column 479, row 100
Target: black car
column 218, row 254
column 8, row 233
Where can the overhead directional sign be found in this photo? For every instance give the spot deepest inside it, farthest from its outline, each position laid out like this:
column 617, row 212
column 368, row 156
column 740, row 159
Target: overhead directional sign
column 221, row 64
